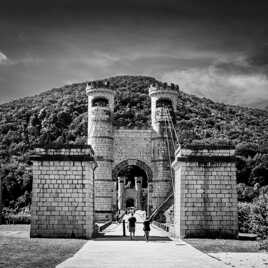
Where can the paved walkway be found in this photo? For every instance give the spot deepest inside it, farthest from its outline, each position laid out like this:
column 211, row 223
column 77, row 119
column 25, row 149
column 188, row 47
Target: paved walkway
column 114, row 251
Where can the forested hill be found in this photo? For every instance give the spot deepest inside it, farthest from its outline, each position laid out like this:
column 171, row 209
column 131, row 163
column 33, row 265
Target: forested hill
column 60, row 116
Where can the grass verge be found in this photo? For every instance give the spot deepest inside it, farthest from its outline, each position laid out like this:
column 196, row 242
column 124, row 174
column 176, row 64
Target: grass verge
column 18, row 250
column 226, row 245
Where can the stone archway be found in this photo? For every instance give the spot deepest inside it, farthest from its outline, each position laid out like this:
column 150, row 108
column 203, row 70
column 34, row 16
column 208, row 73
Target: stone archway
column 130, row 202
column 132, row 178
column 132, row 162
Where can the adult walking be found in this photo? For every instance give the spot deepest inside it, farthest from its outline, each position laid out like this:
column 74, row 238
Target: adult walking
column 132, row 226
column 146, row 228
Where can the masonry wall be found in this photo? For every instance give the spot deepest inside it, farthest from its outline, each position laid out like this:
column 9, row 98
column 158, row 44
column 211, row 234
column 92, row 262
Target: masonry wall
column 150, row 148
column 103, row 188
column 100, row 137
column 132, row 144
column 162, row 182
column 62, row 194
column 205, row 199
column 114, row 148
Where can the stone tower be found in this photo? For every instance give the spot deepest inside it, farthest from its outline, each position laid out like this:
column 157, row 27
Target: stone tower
column 163, row 98
column 100, row 137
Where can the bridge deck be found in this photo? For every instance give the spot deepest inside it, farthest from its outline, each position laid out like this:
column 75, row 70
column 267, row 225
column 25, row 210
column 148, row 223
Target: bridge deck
column 111, row 250
column 115, row 232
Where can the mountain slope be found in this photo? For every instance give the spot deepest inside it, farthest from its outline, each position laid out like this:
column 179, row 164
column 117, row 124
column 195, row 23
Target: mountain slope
column 60, row 116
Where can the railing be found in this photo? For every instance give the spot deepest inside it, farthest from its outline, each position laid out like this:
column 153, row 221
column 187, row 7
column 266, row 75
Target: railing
column 121, row 216
column 161, row 225
column 165, row 226
column 157, row 210
column 170, row 131
column 102, row 226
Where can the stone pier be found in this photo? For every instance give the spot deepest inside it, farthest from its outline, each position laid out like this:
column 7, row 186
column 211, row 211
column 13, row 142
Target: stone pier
column 62, row 194
column 138, row 183
column 121, row 193
column 205, row 199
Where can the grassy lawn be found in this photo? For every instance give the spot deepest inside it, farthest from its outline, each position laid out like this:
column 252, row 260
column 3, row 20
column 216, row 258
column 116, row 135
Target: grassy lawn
column 18, row 250
column 227, row 245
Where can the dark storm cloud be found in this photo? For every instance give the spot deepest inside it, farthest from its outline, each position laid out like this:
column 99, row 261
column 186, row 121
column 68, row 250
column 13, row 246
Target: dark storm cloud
column 211, row 8
column 45, row 44
column 259, row 57
column 234, row 67
column 255, row 61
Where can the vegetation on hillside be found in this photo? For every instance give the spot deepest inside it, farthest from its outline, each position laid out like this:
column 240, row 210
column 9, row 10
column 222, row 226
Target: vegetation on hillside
column 59, row 116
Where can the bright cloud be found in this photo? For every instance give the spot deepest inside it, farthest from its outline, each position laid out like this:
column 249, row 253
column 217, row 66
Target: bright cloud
column 242, row 89
column 3, row 58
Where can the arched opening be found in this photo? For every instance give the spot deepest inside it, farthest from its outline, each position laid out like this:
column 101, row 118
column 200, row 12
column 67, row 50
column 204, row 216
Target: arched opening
column 132, row 162
column 164, row 103
column 130, row 203
column 132, row 177
column 134, row 188
column 132, row 171
column 100, row 102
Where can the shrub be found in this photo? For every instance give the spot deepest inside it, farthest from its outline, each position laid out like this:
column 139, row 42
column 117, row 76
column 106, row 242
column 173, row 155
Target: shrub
column 247, row 149
column 243, row 216
column 246, row 193
column 17, row 219
column 264, row 245
column 252, row 218
column 258, row 219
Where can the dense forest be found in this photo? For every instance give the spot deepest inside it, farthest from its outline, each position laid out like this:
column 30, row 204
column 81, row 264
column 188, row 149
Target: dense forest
column 59, row 116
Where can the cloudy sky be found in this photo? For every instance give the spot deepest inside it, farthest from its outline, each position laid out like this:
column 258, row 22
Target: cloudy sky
column 216, row 49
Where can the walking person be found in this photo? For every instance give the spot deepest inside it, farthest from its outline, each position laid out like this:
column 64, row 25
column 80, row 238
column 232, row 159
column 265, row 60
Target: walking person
column 146, row 228
column 132, row 226
column 117, row 216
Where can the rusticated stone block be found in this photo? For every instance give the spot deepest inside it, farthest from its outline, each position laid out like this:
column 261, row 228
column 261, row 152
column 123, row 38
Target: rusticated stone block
column 62, row 195
column 205, row 179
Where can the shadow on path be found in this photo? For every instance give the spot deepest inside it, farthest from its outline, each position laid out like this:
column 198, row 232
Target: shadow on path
column 102, row 237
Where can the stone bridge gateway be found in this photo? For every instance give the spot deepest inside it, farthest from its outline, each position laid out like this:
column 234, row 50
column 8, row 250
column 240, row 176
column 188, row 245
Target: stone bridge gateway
column 75, row 186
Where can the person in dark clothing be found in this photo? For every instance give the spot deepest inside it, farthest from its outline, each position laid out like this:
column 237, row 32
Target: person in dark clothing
column 131, row 226
column 117, row 216
column 146, row 228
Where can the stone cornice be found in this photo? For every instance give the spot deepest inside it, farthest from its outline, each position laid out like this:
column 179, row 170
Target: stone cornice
column 209, row 147
column 60, row 157
column 206, row 159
